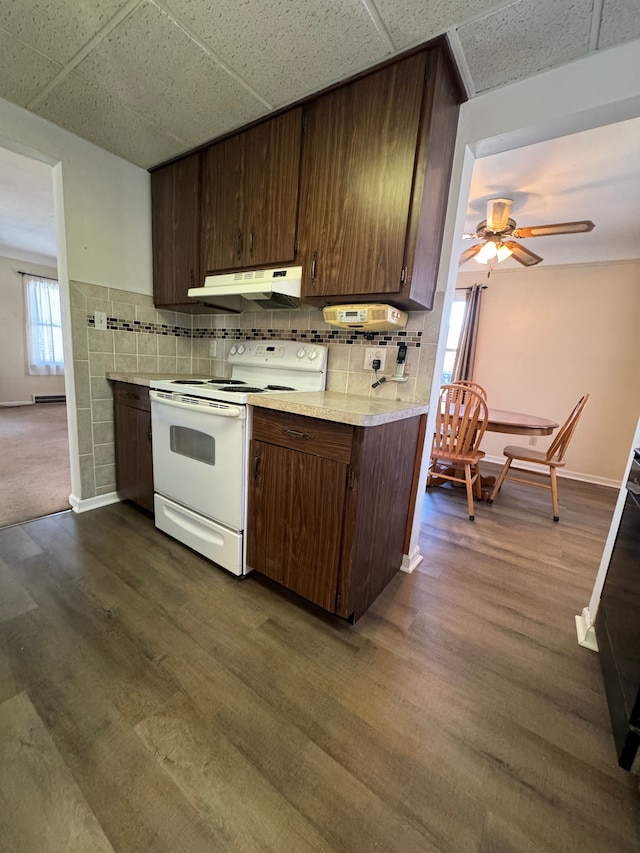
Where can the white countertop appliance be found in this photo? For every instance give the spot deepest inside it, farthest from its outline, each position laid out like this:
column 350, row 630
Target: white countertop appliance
column 201, row 432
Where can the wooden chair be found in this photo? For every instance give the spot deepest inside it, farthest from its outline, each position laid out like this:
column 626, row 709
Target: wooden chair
column 461, row 420
column 469, row 383
column 552, row 459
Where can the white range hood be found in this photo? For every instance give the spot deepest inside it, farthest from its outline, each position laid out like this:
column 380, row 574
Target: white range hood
column 277, row 287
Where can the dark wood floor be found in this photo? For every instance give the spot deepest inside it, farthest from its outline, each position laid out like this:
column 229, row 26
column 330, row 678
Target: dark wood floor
column 151, row 702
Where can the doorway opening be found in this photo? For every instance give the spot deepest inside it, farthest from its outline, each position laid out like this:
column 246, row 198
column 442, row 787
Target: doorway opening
column 35, row 477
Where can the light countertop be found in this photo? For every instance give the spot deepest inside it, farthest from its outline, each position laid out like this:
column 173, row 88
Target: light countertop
column 146, row 378
column 342, row 408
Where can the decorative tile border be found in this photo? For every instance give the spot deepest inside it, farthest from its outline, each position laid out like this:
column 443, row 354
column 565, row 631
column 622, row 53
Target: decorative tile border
column 313, row 336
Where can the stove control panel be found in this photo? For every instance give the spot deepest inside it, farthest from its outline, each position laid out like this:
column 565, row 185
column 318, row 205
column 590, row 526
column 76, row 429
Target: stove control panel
column 281, row 354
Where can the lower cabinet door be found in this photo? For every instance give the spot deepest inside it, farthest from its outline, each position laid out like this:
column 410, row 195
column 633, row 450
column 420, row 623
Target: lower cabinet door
column 296, row 511
column 134, row 465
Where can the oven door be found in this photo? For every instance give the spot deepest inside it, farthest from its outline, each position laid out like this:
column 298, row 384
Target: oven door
column 199, row 455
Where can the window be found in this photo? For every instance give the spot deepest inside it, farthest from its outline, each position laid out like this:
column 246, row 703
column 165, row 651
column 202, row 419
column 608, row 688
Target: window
column 44, row 326
column 456, row 319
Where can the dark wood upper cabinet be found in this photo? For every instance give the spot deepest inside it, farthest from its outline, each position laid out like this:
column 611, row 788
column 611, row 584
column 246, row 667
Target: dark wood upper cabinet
column 175, row 206
column 250, row 196
column 357, row 196
column 376, row 165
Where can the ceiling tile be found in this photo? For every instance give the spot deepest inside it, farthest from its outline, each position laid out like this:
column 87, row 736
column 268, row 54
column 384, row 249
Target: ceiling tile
column 287, row 50
column 153, row 67
column 90, row 112
column 24, row 71
column 57, row 29
column 620, row 22
column 524, row 39
column 411, row 22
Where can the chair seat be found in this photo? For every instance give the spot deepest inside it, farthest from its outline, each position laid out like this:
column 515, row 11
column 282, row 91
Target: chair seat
column 455, row 458
column 527, row 454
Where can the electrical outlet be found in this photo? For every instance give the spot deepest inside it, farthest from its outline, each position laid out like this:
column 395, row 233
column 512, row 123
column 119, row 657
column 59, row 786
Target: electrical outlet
column 374, row 352
column 100, row 320
column 533, row 439
column 213, row 348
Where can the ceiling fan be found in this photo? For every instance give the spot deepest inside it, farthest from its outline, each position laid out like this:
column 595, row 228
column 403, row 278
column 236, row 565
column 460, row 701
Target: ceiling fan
column 498, row 225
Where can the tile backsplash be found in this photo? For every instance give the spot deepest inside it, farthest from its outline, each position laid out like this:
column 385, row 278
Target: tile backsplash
column 141, row 338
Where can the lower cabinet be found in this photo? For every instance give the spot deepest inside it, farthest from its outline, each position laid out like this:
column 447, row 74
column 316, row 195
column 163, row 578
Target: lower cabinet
column 134, row 462
column 328, row 506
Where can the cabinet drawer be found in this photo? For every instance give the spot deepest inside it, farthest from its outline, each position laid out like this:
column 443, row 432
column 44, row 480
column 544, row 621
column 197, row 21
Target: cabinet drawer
column 308, row 435
column 135, row 396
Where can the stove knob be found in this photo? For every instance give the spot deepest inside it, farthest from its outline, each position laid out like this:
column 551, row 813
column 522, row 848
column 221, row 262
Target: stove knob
column 241, row 349
column 313, row 354
column 301, row 352
column 233, row 350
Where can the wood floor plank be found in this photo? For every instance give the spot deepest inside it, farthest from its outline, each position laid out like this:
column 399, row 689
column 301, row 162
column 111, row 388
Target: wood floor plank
column 223, row 785
column 14, row 599
column 41, row 807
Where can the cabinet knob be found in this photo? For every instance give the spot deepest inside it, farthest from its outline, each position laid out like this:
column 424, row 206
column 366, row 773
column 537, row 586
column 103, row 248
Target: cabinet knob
column 314, row 266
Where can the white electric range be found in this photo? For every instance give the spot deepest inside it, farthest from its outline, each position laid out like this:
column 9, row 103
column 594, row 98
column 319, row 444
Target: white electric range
column 201, row 431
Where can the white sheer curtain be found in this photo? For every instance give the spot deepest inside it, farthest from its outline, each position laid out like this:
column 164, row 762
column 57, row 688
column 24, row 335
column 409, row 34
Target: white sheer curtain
column 44, row 326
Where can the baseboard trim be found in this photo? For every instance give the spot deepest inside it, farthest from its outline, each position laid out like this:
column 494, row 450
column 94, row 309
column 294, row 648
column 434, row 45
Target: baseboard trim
column 17, row 403
column 410, row 562
column 586, row 631
column 78, row 505
column 562, row 472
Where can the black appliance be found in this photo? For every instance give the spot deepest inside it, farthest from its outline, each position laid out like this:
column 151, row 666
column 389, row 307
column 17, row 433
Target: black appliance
column 618, row 627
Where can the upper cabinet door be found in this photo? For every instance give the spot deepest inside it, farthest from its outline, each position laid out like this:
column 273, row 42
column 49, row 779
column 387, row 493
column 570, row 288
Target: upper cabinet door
column 358, row 159
column 175, row 204
column 222, row 204
column 270, row 190
column 250, row 196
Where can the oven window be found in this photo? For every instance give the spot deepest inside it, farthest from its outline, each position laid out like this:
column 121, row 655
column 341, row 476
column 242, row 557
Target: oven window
column 194, row 444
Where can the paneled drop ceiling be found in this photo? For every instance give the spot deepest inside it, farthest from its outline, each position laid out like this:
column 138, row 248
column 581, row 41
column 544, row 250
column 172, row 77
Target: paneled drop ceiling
column 148, row 79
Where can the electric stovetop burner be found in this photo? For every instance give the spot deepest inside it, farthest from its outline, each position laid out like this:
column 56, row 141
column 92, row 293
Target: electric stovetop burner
column 188, row 382
column 243, row 389
column 278, row 388
column 226, row 382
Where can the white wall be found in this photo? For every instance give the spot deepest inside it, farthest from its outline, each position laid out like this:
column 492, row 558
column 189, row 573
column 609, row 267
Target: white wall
column 547, row 335
column 16, row 385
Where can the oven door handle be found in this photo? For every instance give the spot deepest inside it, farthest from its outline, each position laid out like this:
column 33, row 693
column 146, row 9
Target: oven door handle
column 219, row 411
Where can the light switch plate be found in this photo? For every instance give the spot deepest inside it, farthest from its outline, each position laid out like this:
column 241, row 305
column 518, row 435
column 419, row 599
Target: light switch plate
column 100, row 320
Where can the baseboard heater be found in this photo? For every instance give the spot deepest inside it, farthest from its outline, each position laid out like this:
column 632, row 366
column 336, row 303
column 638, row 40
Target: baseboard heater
column 49, row 398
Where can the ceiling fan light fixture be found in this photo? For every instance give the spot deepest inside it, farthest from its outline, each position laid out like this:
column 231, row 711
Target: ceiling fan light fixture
column 487, row 253
column 503, row 252
column 493, row 250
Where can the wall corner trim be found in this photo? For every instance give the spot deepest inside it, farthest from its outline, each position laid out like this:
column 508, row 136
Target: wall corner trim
column 79, row 505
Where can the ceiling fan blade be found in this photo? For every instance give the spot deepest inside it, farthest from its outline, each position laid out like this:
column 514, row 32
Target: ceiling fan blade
column 522, row 255
column 580, row 227
column 473, row 236
column 469, row 253
column 498, row 210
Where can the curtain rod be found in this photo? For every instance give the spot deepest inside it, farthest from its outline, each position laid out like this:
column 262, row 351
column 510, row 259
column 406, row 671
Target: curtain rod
column 36, row 275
